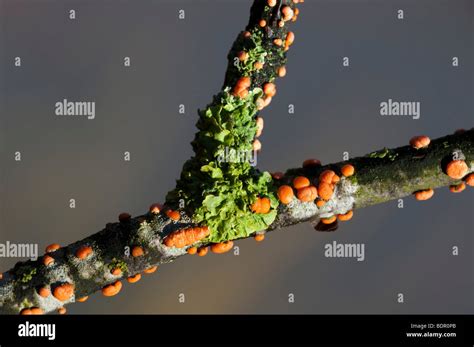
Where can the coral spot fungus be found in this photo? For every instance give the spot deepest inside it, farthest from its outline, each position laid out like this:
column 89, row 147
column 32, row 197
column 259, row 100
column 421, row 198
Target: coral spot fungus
column 456, row 169
column 300, row 182
column 63, row 291
column 112, row 289
column 346, row 216
column 83, row 252
column 173, row 215
column 137, row 251
column 155, row 208
column 221, row 247
column 150, row 270
column 202, row 251
column 421, row 141
column 44, row 292
column 457, row 188
column 135, row 278
column 285, row 194
column 328, row 220
column 186, row 237
column 307, row 194
column 347, row 170
column 424, row 194
column 52, row 248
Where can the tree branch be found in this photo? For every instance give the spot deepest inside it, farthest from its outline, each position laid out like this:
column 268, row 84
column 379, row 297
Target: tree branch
column 376, row 180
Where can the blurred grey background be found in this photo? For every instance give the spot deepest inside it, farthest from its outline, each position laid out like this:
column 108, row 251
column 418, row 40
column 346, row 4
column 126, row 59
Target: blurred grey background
column 176, row 62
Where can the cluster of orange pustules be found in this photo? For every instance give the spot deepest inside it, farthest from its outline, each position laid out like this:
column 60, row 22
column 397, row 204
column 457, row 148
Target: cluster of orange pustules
column 241, row 88
column 261, row 205
column 186, row 237
column 456, row 169
column 218, row 248
column 319, row 193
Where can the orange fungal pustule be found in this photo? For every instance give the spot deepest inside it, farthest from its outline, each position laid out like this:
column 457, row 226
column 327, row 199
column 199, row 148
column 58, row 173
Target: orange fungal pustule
column 83, row 252
column 457, row 169
column 83, row 299
column 222, row 247
column 269, row 89
column 261, row 205
column 135, row 278
column 192, row 250
column 62, row 310
column 63, row 291
column 287, row 13
column 48, row 260
column 31, row 311
column 325, row 190
column 44, row 292
column 285, row 194
column 262, row 23
column 186, row 237
column 328, row 220
column 155, row 208
column 202, row 251
column 52, row 248
column 347, row 170
column 420, row 141
column 346, row 216
column 137, row 251
column 301, row 182
column 326, row 176
column 112, row 289
column 424, row 194
column 173, row 215
column 290, row 38
column 256, row 145
column 116, row 271
column 259, row 237
column 457, row 188
column 271, row 3
column 307, row 194
column 242, row 56
column 320, row 203
column 151, row 270
column 470, row 180
column 281, row 71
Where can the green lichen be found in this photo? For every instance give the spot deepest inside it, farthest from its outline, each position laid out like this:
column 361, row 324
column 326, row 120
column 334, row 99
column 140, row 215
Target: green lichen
column 218, row 191
column 26, row 273
column 256, row 53
column 118, row 264
column 384, row 153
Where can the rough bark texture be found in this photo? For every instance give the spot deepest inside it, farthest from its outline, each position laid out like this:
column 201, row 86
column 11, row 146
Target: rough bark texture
column 379, row 177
